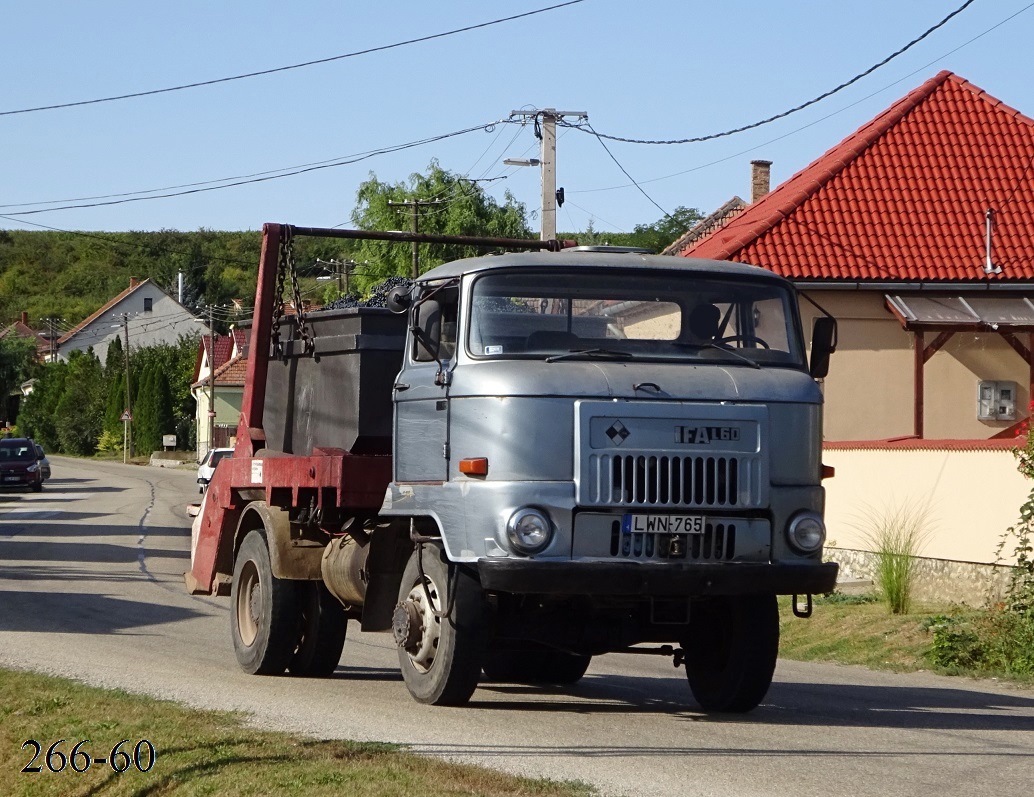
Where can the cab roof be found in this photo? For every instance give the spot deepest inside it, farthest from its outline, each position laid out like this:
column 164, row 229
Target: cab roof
column 594, row 260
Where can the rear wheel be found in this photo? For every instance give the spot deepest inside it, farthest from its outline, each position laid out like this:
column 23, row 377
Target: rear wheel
column 265, row 618
column 731, row 651
column 323, row 628
column 526, row 665
column 439, row 626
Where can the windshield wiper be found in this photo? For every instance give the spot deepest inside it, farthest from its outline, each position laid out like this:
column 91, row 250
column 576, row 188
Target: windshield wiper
column 734, row 353
column 609, row 354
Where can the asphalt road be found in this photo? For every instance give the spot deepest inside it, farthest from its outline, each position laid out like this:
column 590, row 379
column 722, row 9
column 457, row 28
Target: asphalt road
column 91, row 587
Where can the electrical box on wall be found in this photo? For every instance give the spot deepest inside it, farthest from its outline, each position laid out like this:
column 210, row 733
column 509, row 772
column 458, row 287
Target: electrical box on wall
column 996, row 401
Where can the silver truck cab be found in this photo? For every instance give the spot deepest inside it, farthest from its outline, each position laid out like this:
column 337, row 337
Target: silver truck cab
column 615, row 449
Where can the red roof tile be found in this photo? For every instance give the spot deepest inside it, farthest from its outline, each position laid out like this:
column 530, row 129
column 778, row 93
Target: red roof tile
column 229, row 374
column 902, row 198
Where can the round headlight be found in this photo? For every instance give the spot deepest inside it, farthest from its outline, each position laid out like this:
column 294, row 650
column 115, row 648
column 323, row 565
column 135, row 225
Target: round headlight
column 529, row 530
column 806, row 532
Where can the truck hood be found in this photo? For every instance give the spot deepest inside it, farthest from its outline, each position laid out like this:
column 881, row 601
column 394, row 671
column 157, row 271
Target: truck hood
column 619, row 380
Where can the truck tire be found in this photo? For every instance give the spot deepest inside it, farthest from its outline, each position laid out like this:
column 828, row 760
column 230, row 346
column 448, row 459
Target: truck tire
column 323, row 628
column 265, row 619
column 440, row 657
column 731, row 651
column 535, row 666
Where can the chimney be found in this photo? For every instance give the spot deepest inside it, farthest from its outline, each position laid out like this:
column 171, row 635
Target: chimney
column 134, row 281
column 760, row 179
column 25, row 318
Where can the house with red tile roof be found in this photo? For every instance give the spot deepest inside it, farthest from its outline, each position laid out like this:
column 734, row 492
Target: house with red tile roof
column 917, row 233
column 149, row 314
column 218, row 388
column 21, row 329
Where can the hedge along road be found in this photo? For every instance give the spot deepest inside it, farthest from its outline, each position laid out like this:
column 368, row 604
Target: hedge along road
column 91, row 587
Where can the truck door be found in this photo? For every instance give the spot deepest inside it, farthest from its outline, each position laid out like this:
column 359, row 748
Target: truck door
column 422, row 392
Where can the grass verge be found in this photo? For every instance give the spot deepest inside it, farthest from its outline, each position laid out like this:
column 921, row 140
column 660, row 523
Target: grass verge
column 856, row 632
column 209, row 753
column 862, row 631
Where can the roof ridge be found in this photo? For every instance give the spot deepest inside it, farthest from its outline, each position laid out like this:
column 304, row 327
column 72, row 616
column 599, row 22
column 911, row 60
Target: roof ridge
column 780, row 203
column 94, row 316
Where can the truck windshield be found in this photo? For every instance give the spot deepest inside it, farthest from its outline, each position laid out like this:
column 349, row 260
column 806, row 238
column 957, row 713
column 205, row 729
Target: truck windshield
column 634, row 314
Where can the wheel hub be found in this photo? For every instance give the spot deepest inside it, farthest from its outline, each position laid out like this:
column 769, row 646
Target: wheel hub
column 415, row 625
column 406, row 626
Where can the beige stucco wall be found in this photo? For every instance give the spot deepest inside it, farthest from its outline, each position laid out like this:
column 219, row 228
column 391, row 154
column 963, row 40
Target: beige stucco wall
column 870, row 388
column 970, row 497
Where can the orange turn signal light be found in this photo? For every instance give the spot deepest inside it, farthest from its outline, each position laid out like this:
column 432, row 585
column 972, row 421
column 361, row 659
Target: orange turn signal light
column 474, row 466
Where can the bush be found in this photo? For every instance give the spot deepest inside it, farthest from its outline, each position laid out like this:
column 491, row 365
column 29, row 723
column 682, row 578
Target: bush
column 995, row 641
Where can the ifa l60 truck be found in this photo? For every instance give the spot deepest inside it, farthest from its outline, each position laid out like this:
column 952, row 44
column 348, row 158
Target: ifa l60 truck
column 526, row 460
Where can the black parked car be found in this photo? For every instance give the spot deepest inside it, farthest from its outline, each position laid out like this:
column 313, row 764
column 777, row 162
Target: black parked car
column 22, row 463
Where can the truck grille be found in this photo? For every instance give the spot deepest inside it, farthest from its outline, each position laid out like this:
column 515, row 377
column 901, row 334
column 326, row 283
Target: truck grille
column 716, row 544
column 673, row 481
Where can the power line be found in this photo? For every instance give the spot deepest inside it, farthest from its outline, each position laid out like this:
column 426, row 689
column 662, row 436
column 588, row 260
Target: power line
column 262, row 72
column 301, row 170
column 812, row 123
column 585, row 128
column 625, row 171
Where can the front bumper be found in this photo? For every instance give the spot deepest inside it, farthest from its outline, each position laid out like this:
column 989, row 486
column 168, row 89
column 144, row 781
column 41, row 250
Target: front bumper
column 662, row 579
column 20, row 479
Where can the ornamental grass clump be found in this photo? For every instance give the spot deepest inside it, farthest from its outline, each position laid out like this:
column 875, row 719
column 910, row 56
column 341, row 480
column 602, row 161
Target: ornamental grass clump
column 896, row 535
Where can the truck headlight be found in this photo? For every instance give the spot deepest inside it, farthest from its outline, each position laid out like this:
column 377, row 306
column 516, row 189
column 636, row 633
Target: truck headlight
column 806, row 532
column 33, row 467
column 529, row 530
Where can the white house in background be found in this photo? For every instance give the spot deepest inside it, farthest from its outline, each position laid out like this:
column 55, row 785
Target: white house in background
column 153, row 317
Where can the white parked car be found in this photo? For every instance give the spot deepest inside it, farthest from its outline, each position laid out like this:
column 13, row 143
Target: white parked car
column 206, row 469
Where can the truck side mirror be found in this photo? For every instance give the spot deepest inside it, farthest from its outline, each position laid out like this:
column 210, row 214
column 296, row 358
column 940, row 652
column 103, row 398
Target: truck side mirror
column 400, row 298
column 427, row 330
column 823, row 344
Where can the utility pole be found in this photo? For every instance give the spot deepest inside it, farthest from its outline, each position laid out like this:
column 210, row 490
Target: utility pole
column 545, row 130
column 129, row 395
column 211, row 378
column 415, row 204
column 342, row 271
column 50, row 321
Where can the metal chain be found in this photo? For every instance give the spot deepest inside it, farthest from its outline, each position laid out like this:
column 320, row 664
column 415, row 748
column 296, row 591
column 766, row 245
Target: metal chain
column 308, row 338
column 278, row 296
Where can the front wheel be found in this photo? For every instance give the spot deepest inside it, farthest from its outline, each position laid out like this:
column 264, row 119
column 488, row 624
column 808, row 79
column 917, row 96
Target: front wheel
column 439, row 625
column 264, row 614
column 731, row 650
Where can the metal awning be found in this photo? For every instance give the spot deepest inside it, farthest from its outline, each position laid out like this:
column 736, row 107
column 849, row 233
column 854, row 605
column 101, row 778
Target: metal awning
column 960, row 312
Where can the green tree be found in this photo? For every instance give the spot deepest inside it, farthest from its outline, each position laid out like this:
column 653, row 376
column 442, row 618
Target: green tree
column 16, row 358
column 653, row 236
column 145, row 423
column 666, row 230
column 79, row 414
column 37, row 417
column 461, row 208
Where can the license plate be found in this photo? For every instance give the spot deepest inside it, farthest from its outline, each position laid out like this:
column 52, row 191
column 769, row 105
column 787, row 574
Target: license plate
column 12, row 478
column 663, row 524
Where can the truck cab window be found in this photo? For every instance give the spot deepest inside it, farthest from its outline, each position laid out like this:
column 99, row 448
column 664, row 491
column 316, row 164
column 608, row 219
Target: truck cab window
column 653, row 316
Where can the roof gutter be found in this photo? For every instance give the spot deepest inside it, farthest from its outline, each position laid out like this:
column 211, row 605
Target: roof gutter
column 926, row 287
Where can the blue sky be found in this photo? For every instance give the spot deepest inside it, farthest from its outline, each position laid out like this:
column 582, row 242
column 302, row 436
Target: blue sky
column 659, row 69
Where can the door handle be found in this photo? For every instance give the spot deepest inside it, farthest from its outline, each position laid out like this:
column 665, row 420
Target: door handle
column 401, row 386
